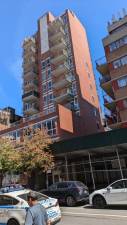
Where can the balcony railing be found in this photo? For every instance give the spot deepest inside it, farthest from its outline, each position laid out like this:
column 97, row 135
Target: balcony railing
column 113, row 120
column 102, row 66
column 56, row 35
column 29, row 85
column 65, row 95
column 59, row 45
column 61, row 69
column 109, row 102
column 32, row 109
column 55, row 24
column 28, row 42
column 30, row 95
column 105, row 79
column 61, row 83
column 59, row 57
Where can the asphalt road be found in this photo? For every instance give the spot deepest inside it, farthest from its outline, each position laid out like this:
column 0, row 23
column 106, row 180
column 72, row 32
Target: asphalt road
column 89, row 216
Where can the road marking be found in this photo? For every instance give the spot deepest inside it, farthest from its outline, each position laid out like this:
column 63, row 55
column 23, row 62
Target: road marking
column 93, row 214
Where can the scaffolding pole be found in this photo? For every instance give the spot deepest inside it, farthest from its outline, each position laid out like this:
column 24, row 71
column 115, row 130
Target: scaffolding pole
column 91, row 169
column 121, row 172
column 66, row 165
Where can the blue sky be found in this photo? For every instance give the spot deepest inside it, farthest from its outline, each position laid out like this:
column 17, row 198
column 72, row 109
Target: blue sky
column 18, row 19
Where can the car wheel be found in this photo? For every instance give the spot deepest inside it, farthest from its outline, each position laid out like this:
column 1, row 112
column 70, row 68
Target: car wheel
column 12, row 222
column 70, row 201
column 99, row 202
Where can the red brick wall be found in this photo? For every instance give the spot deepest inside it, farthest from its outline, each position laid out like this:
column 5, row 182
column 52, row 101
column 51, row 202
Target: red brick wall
column 82, row 59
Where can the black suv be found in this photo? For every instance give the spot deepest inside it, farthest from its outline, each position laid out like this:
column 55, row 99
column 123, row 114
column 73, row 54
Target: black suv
column 68, row 192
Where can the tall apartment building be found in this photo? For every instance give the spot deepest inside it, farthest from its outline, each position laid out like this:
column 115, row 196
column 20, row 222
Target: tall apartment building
column 59, row 89
column 113, row 69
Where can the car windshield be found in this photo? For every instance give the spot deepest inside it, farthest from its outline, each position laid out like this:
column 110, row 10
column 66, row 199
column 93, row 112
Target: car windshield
column 40, row 196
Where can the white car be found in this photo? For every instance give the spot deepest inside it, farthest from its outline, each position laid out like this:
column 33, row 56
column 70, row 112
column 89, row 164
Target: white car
column 114, row 194
column 13, row 206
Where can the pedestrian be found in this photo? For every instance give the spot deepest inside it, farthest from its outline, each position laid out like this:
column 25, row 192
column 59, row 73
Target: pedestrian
column 36, row 214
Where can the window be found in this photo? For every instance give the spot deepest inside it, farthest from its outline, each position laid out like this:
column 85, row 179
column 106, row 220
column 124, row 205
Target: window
column 5, row 200
column 117, row 44
column 118, row 185
column 43, row 76
column 44, row 88
column 43, row 65
column 45, row 100
column 49, row 74
column 116, row 64
column 62, row 185
column 39, row 196
column 50, row 98
column 74, row 88
column 122, row 82
column 49, row 85
column 124, row 60
column 48, row 62
column 120, row 62
column 51, row 126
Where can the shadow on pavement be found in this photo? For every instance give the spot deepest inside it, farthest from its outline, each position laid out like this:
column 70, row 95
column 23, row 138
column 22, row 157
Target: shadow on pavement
column 111, row 207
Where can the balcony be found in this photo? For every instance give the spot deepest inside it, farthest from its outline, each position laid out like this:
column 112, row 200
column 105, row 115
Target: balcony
column 29, row 52
column 31, row 69
column 57, row 35
column 105, row 79
column 61, row 83
column 32, row 95
column 102, row 66
column 113, row 120
column 33, row 108
column 65, row 95
column 30, row 85
column 61, row 69
column 109, row 103
column 28, row 42
column 59, row 45
column 32, row 73
column 105, row 83
column 59, row 57
column 56, row 24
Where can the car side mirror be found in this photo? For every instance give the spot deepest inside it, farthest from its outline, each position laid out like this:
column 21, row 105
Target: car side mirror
column 109, row 188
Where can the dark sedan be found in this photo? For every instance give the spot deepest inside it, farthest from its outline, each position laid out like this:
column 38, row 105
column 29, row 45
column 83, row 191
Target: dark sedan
column 68, row 192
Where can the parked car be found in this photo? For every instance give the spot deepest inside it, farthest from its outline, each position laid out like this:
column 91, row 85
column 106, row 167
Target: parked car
column 114, row 194
column 13, row 206
column 68, row 192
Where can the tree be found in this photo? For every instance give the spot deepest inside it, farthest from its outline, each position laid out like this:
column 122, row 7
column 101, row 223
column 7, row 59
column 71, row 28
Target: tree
column 9, row 157
column 36, row 152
